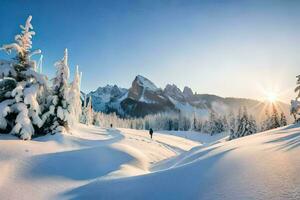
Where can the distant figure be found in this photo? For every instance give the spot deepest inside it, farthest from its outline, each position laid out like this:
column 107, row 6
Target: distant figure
column 110, row 125
column 151, row 132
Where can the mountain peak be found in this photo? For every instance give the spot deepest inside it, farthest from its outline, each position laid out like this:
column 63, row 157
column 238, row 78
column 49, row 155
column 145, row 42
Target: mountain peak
column 145, row 83
column 187, row 92
column 174, row 92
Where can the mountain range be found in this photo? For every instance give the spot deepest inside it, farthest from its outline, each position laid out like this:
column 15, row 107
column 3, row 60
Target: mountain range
column 144, row 98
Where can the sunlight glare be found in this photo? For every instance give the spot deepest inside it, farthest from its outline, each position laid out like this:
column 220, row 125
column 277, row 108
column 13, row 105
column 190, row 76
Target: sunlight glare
column 272, row 97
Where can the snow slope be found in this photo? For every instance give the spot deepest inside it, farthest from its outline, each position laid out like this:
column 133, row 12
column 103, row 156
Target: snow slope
column 96, row 163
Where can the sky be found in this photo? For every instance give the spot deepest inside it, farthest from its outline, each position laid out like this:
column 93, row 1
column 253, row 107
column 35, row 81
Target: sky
column 229, row 48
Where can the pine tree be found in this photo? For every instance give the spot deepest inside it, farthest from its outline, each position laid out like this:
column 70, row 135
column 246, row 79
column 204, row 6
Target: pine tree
column 60, row 88
column 22, row 105
column 267, row 123
column 194, row 122
column 225, row 123
column 297, row 89
column 87, row 112
column 252, row 125
column 283, row 121
column 216, row 123
column 212, row 128
column 74, row 98
column 275, row 123
column 295, row 104
column 232, row 122
column 246, row 125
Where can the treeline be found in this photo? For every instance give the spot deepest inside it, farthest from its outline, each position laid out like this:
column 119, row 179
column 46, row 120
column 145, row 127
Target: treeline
column 237, row 125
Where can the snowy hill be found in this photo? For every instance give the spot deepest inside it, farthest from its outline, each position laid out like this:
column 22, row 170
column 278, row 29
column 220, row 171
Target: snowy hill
column 144, row 97
column 96, row 163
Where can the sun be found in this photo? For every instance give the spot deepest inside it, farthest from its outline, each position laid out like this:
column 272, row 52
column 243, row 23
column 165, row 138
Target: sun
column 272, row 97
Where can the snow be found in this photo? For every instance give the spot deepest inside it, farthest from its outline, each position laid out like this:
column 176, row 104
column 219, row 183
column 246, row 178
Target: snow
column 23, row 126
column 6, row 68
column 190, row 110
column 5, row 109
column 24, row 43
column 145, row 83
column 98, row 163
column 108, row 96
column 145, row 100
column 26, row 86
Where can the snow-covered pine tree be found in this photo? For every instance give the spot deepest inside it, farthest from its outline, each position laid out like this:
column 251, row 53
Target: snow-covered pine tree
column 215, row 123
column 22, row 102
column 239, row 117
column 295, row 104
column 225, row 123
column 267, row 122
column 246, row 125
column 60, row 88
column 74, row 98
column 283, row 121
column 294, row 110
column 297, row 89
column 212, row 128
column 231, row 122
column 194, row 122
column 275, row 123
column 96, row 119
column 87, row 112
column 252, row 125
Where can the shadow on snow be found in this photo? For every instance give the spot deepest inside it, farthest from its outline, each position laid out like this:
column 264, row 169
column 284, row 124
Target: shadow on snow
column 168, row 184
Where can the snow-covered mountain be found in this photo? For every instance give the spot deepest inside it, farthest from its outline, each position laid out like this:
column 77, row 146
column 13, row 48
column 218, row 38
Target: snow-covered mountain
column 144, row 97
column 174, row 92
column 108, row 98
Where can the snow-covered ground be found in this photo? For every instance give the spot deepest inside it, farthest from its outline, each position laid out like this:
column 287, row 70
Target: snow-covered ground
column 96, row 163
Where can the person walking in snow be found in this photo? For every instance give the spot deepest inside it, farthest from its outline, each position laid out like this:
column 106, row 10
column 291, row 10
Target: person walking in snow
column 151, row 132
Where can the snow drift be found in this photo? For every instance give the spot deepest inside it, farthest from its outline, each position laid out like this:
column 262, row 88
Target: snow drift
column 96, row 163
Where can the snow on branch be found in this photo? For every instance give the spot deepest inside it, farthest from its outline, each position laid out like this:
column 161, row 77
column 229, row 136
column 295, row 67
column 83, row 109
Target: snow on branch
column 23, row 42
column 41, row 79
column 7, row 69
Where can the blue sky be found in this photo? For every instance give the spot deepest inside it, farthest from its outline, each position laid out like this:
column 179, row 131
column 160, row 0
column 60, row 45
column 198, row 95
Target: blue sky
column 229, row 48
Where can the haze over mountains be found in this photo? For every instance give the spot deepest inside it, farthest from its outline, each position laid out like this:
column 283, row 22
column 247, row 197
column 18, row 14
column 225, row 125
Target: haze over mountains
column 144, row 98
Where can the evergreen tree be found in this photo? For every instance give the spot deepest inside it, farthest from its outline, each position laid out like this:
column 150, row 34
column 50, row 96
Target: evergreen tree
column 275, row 123
column 60, row 88
column 297, row 89
column 232, row 122
column 246, row 126
column 194, row 122
column 267, row 123
column 295, row 104
column 271, row 121
column 212, row 127
column 215, row 123
column 74, row 98
column 252, row 125
column 87, row 112
column 23, row 88
column 225, row 123
column 283, row 121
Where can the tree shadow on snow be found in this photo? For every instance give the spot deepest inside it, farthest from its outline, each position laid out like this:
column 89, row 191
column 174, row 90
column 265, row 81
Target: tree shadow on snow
column 186, row 182
column 6, row 136
column 287, row 142
column 80, row 164
column 70, row 139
